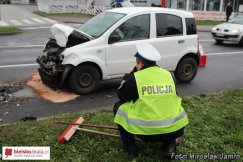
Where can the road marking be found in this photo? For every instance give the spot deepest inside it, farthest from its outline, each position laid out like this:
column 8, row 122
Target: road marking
column 27, row 21
column 22, row 46
column 38, row 20
column 17, row 65
column 225, row 53
column 26, row 65
column 22, row 22
column 207, row 40
column 49, row 20
column 3, row 23
column 42, row 45
column 15, row 22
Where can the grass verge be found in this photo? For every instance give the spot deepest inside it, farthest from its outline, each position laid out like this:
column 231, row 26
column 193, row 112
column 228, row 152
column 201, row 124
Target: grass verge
column 215, row 128
column 9, row 29
column 208, row 22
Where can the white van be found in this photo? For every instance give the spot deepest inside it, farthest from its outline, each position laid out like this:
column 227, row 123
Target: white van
column 104, row 47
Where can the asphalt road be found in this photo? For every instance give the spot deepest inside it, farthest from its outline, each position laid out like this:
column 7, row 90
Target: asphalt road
column 18, row 53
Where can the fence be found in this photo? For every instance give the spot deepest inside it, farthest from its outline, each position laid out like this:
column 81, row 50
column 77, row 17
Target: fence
column 23, row 1
column 69, row 6
column 212, row 15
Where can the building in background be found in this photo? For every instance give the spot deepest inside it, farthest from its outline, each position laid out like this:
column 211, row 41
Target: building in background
column 203, row 5
column 191, row 5
column 202, row 9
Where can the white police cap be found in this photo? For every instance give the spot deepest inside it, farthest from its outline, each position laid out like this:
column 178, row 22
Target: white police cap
column 147, row 51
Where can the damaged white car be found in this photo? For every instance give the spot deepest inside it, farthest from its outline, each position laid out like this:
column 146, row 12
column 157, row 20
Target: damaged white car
column 104, row 47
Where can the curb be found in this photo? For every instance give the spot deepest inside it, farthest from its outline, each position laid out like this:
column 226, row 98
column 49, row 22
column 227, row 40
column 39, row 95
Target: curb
column 10, row 33
column 73, row 22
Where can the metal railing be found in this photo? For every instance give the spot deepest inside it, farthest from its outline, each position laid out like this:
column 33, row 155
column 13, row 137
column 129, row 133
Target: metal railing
column 69, row 6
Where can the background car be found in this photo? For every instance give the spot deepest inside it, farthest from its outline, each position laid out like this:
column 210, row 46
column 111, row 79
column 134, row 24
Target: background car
column 230, row 31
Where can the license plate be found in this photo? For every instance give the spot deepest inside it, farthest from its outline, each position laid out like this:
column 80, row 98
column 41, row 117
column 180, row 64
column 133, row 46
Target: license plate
column 219, row 34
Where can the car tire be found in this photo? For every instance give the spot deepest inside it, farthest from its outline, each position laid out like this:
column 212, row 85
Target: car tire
column 241, row 42
column 186, row 70
column 84, row 79
column 219, row 41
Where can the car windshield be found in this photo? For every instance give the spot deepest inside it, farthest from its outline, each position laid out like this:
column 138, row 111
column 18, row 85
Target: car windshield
column 237, row 20
column 100, row 23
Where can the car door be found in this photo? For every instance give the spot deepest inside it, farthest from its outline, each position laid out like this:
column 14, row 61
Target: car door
column 122, row 44
column 169, row 39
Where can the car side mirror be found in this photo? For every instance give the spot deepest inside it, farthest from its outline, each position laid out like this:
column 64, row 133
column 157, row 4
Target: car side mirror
column 113, row 38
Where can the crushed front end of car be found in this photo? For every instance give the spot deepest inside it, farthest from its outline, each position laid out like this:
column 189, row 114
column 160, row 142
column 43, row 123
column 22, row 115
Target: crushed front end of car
column 51, row 70
column 50, row 62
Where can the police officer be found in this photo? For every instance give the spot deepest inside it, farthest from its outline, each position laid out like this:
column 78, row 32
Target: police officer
column 148, row 106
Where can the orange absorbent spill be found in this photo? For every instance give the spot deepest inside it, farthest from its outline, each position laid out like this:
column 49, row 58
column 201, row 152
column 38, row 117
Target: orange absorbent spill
column 58, row 96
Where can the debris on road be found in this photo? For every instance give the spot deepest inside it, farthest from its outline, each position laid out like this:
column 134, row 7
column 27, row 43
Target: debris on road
column 6, row 91
column 109, row 96
column 58, row 96
column 4, row 95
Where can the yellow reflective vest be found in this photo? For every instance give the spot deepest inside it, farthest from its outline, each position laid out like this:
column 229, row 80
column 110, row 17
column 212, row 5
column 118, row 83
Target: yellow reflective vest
column 158, row 109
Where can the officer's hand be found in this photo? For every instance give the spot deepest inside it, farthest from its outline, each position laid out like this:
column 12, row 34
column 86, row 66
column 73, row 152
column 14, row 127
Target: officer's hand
column 132, row 69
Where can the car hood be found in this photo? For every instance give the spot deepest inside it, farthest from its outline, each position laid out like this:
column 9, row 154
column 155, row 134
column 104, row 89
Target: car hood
column 229, row 26
column 62, row 34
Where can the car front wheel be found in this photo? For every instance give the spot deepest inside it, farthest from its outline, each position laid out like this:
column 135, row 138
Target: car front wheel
column 186, row 70
column 84, row 79
column 241, row 42
column 219, row 41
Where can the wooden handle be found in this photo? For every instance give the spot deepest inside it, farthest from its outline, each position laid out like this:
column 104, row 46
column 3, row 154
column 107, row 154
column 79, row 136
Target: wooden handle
column 97, row 132
column 88, row 125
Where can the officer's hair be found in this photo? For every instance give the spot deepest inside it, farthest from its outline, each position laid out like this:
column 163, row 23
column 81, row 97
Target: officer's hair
column 145, row 62
column 138, row 60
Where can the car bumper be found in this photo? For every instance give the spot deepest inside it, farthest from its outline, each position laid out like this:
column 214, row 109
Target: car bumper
column 49, row 78
column 226, row 37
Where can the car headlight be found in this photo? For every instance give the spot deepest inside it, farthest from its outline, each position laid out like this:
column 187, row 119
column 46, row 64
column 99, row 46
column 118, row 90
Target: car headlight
column 234, row 30
column 214, row 29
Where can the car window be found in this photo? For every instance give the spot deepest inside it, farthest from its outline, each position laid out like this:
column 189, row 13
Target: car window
column 168, row 25
column 137, row 27
column 100, row 23
column 190, row 26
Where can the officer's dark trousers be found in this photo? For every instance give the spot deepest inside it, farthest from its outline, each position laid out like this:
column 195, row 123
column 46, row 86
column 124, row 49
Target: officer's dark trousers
column 128, row 138
column 227, row 17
